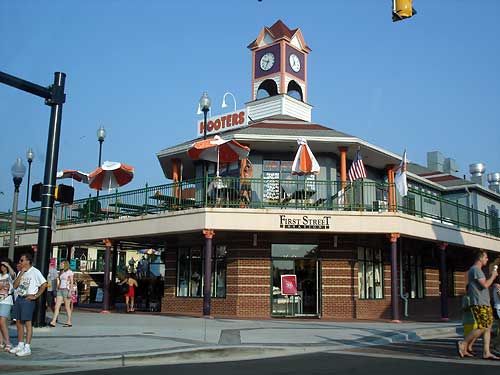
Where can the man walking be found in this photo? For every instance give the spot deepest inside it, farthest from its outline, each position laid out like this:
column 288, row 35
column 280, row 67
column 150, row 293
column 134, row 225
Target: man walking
column 29, row 284
column 479, row 295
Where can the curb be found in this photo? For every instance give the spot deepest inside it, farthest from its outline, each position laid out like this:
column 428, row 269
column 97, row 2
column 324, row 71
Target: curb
column 242, row 352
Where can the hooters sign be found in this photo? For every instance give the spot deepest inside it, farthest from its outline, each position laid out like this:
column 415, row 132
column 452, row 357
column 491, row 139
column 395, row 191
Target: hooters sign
column 222, row 123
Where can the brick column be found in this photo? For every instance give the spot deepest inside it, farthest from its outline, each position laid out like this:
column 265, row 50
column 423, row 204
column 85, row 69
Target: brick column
column 443, row 285
column 207, row 271
column 394, row 278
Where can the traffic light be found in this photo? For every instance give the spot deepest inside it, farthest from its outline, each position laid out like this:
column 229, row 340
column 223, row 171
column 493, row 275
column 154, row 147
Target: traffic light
column 36, row 192
column 65, row 194
column 402, row 9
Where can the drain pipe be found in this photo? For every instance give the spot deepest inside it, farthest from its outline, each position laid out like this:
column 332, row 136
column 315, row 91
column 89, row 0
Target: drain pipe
column 404, row 296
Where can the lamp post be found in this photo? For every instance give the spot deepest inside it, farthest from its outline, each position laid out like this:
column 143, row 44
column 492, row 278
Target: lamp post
column 224, row 104
column 207, row 274
column 30, row 155
column 18, row 170
column 101, row 134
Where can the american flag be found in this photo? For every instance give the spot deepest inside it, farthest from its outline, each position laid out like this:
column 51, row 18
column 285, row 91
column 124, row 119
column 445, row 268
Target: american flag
column 357, row 169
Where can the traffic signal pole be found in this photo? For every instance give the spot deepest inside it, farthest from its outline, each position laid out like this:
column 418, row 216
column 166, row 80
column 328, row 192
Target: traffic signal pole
column 54, row 97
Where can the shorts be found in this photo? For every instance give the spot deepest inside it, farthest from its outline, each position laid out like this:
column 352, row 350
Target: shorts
column 5, row 310
column 51, row 297
column 64, row 293
column 23, row 310
column 483, row 315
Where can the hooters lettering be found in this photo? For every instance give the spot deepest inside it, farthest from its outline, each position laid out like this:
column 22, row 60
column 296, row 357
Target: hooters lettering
column 223, row 122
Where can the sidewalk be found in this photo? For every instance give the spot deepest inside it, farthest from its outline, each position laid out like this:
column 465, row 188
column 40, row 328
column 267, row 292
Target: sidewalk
column 124, row 338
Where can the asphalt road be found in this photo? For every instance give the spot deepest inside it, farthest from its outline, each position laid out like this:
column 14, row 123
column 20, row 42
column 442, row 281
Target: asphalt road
column 428, row 357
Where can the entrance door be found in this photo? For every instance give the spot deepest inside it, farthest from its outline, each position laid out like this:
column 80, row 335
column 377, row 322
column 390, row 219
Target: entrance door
column 301, row 261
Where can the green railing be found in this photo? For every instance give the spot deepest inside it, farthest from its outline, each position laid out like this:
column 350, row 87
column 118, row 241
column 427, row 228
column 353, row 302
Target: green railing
column 306, row 194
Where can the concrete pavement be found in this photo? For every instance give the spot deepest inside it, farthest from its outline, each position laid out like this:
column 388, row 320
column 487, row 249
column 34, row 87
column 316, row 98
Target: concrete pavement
column 103, row 340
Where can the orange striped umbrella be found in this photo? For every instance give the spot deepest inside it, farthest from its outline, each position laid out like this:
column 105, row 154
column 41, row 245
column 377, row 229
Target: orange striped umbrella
column 304, row 163
column 218, row 150
column 74, row 174
column 111, row 175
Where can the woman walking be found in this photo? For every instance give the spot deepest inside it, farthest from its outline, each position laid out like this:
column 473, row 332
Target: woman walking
column 7, row 276
column 130, row 292
column 64, row 288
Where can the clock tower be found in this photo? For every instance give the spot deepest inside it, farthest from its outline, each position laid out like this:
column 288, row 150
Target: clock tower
column 279, row 63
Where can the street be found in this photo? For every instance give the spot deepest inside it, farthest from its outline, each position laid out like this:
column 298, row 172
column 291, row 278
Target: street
column 328, row 363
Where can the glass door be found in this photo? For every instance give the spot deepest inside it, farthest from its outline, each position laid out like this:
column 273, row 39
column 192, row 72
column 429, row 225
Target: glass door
column 299, row 264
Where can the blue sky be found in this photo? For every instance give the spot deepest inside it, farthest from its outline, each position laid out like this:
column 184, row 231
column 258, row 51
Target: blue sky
column 140, row 67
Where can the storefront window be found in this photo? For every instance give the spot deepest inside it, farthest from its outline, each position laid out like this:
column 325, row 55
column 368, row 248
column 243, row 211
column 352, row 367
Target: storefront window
column 413, row 275
column 370, row 273
column 190, row 272
column 279, row 181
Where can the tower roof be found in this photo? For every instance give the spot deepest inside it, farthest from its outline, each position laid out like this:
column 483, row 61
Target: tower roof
column 279, row 31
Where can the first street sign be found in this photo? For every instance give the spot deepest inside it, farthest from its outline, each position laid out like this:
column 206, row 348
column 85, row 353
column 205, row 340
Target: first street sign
column 305, row 222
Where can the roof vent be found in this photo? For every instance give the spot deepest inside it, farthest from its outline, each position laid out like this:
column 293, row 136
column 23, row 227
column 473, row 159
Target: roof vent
column 477, row 173
column 494, row 182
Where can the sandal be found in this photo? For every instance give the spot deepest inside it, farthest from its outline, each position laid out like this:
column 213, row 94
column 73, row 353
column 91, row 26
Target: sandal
column 7, row 347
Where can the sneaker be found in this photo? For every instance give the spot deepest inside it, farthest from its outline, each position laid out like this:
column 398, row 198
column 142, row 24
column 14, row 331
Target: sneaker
column 24, row 352
column 16, row 349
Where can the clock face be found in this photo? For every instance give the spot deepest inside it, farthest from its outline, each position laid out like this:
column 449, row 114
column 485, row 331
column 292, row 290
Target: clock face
column 267, row 61
column 294, row 62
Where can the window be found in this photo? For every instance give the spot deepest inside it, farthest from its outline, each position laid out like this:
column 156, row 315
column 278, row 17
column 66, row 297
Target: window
column 450, row 282
column 279, row 181
column 413, row 275
column 190, row 272
column 370, row 273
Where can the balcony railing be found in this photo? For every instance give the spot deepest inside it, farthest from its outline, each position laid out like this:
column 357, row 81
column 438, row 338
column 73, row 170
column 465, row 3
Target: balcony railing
column 305, row 194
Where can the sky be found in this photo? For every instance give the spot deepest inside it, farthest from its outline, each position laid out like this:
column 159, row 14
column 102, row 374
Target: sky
column 138, row 68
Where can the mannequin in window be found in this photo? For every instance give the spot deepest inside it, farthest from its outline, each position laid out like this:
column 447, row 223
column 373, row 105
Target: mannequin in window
column 195, row 284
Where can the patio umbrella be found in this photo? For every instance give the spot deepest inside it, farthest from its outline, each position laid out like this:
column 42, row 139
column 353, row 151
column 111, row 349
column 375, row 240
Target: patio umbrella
column 73, row 174
column 218, row 150
column 111, row 175
column 304, row 163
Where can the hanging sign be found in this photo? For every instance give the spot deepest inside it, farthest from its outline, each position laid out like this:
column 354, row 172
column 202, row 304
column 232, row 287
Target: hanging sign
column 225, row 122
column 289, row 285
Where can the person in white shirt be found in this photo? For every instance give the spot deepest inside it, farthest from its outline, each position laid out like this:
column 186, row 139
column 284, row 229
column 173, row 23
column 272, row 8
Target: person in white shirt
column 64, row 288
column 6, row 301
column 29, row 285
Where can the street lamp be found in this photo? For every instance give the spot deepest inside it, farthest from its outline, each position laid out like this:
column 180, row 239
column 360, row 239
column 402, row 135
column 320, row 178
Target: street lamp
column 205, row 107
column 18, row 170
column 224, row 104
column 101, row 134
column 30, row 155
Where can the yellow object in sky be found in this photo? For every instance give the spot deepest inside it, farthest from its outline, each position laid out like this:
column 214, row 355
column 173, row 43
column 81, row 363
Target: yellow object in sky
column 402, row 9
